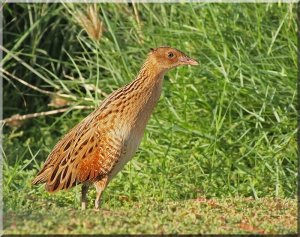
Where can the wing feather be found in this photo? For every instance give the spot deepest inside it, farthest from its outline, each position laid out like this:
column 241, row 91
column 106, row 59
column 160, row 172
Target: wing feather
column 84, row 154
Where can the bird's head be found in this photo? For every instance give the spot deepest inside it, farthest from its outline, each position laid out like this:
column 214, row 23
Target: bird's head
column 166, row 58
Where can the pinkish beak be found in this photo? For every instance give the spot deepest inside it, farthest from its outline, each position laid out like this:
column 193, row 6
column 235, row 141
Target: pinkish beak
column 188, row 61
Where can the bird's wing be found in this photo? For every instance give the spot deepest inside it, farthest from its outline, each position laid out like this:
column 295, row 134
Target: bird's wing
column 86, row 153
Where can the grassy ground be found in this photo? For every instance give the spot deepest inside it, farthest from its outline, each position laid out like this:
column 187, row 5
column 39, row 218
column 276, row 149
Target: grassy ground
column 214, row 216
column 223, row 133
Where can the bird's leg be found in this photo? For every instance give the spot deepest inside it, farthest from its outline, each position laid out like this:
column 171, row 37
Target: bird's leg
column 84, row 201
column 100, row 185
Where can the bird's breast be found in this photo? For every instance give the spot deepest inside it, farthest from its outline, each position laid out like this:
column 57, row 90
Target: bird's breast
column 131, row 128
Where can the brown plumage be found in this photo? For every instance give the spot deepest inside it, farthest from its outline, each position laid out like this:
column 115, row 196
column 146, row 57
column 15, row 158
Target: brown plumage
column 97, row 148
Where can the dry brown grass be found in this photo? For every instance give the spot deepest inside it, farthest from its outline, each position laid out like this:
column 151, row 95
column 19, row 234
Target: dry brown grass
column 89, row 20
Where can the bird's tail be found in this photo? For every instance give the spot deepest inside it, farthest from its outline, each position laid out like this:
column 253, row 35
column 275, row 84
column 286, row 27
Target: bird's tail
column 42, row 177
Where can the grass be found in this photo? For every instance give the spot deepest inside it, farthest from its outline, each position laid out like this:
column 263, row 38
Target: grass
column 221, row 216
column 223, row 132
column 214, row 216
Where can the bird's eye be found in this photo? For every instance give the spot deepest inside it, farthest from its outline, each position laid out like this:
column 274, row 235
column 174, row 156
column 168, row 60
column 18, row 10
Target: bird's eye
column 170, row 55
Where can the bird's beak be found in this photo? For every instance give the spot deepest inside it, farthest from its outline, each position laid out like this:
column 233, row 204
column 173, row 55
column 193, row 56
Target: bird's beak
column 184, row 60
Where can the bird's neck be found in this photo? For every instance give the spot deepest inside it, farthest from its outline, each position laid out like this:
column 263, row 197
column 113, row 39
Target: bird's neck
column 151, row 73
column 146, row 91
column 139, row 98
column 149, row 83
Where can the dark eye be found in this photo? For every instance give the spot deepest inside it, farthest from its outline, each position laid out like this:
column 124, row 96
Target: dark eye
column 170, row 55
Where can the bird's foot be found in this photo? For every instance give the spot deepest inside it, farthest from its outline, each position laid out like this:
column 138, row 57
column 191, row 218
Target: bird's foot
column 83, row 206
column 97, row 206
column 96, row 209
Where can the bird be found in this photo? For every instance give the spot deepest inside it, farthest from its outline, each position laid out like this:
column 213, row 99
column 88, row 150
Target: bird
column 98, row 147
